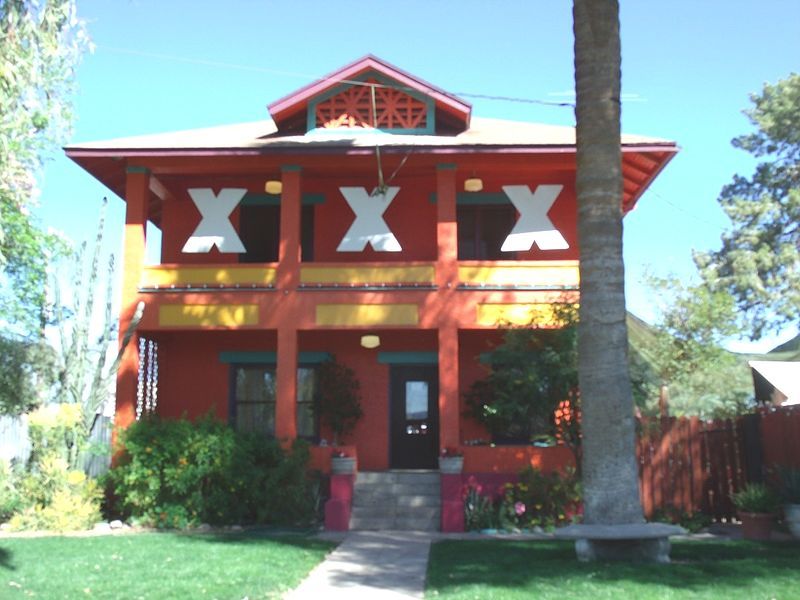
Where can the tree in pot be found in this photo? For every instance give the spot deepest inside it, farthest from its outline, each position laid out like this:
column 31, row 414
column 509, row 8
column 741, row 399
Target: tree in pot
column 531, row 373
column 756, row 504
column 339, row 406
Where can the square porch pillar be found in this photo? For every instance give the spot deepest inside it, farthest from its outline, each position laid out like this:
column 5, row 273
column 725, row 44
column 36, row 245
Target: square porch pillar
column 137, row 196
column 286, row 385
column 449, row 413
column 289, row 248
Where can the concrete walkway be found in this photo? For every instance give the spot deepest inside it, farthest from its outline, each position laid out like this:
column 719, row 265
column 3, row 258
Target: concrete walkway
column 374, row 565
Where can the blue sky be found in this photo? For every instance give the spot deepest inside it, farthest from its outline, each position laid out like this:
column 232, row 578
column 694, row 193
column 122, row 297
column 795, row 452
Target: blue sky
column 687, row 69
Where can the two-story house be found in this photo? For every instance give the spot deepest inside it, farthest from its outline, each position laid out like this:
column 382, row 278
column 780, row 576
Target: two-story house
column 372, row 218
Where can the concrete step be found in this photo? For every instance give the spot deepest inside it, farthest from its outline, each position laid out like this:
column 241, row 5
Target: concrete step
column 399, row 500
column 405, row 512
column 397, row 489
column 385, row 477
column 398, row 523
column 409, row 500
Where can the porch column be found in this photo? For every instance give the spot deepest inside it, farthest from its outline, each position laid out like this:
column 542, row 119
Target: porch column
column 137, row 194
column 286, row 385
column 446, row 282
column 446, row 230
column 289, row 245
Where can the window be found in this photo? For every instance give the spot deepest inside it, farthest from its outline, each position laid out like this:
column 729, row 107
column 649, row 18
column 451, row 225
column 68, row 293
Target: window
column 259, row 229
column 253, row 405
column 307, row 421
column 482, row 229
column 254, row 397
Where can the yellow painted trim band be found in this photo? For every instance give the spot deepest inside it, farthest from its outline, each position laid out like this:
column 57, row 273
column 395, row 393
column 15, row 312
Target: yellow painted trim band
column 540, row 314
column 545, row 275
column 208, row 315
column 355, row 315
column 415, row 274
column 221, row 275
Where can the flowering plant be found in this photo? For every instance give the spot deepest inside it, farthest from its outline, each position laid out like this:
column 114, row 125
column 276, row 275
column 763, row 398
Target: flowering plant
column 451, row 452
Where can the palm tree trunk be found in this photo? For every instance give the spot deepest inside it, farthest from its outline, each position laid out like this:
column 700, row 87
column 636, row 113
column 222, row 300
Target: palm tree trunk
column 610, row 474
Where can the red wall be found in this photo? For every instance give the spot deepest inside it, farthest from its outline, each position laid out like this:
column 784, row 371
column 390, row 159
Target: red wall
column 411, row 217
column 192, row 380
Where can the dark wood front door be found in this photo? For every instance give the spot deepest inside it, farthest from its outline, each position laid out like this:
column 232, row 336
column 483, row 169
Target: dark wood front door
column 415, row 417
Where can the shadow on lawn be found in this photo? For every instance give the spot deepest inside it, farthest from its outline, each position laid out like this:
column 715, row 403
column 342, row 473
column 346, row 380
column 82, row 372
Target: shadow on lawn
column 696, row 566
column 266, row 536
column 5, row 559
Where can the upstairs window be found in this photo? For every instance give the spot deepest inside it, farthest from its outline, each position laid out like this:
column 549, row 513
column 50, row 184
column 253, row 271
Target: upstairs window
column 482, row 229
column 259, row 230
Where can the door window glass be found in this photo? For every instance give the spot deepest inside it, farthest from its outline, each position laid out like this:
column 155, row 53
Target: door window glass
column 416, row 400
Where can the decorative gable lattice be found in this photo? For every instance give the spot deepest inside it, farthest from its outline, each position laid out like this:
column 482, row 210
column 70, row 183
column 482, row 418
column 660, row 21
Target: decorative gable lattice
column 353, row 107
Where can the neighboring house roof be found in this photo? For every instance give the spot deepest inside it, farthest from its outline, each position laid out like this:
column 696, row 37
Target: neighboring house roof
column 783, row 376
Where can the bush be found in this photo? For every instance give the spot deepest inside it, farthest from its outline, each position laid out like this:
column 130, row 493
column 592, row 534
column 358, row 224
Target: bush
column 10, row 498
column 175, row 473
column 756, row 498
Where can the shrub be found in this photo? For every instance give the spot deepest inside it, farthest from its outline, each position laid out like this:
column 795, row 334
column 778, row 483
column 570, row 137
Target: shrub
column 55, row 498
column 175, row 473
column 10, row 498
column 692, row 522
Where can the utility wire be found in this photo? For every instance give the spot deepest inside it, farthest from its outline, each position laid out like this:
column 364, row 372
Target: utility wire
column 373, row 85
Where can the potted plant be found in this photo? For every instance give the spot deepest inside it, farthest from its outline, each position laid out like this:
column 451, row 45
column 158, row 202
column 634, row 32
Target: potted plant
column 757, row 505
column 451, row 460
column 790, row 494
column 339, row 408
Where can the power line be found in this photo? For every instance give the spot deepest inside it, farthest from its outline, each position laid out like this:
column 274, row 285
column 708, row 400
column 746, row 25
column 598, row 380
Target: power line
column 297, row 75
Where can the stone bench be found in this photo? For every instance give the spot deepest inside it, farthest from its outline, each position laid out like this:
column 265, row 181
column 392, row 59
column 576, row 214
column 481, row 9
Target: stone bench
column 637, row 542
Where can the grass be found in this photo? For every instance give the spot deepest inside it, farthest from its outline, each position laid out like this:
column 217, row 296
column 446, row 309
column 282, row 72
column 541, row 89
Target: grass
column 548, row 569
column 156, row 565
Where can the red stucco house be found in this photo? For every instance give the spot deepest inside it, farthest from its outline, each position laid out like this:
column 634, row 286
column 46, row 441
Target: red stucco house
column 371, row 217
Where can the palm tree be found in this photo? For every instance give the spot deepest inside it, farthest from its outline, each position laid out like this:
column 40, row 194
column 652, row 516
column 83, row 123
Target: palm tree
column 610, row 476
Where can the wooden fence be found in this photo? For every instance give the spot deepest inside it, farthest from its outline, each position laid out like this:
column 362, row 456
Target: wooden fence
column 15, row 444
column 693, row 465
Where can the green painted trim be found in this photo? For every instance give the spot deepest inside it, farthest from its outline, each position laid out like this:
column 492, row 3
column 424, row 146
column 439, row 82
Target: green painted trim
column 475, row 198
column 430, row 126
column 446, row 167
column 313, row 358
column 136, row 169
column 271, row 358
column 291, row 169
column 259, row 199
column 246, row 357
column 408, row 358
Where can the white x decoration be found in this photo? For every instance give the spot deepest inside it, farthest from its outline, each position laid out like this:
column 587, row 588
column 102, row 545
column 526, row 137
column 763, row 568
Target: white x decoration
column 215, row 227
column 533, row 225
column 369, row 226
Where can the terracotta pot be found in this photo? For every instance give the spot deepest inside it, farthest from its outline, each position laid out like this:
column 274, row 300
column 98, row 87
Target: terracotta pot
column 756, row 526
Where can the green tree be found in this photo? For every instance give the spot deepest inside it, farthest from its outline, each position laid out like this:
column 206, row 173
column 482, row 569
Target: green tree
column 702, row 377
column 759, row 261
column 40, row 46
column 610, row 473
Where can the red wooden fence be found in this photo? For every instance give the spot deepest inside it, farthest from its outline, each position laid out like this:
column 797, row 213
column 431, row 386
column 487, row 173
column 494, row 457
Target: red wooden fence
column 693, row 465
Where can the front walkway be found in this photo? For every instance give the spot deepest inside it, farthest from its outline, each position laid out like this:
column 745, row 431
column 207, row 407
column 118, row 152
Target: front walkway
column 371, row 565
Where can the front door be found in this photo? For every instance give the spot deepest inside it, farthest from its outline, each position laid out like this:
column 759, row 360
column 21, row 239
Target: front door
column 414, row 417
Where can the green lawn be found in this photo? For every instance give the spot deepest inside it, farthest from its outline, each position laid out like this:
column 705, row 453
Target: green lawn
column 156, row 565
column 548, row 569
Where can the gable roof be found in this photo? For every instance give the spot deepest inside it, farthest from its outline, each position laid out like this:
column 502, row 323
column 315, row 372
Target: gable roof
column 286, row 110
